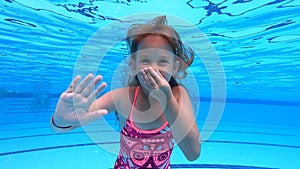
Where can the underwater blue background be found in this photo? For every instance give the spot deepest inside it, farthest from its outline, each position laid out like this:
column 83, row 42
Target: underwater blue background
column 257, row 42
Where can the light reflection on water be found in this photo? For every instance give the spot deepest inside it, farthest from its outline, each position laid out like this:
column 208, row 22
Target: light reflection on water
column 257, row 41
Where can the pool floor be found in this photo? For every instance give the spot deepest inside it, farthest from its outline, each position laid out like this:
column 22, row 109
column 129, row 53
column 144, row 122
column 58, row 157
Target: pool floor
column 26, row 141
column 232, row 145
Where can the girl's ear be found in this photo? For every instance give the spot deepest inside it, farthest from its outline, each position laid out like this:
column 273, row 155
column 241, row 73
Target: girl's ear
column 176, row 67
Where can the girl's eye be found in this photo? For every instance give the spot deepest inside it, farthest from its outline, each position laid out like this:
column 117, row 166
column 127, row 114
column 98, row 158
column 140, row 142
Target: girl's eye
column 163, row 62
column 144, row 61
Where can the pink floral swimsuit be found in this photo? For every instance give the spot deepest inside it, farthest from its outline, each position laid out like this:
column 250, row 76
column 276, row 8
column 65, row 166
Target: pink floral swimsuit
column 140, row 149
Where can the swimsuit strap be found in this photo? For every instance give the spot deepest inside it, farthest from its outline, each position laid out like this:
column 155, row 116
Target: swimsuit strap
column 133, row 103
column 132, row 121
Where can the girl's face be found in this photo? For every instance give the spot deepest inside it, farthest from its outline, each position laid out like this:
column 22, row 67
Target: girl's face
column 155, row 51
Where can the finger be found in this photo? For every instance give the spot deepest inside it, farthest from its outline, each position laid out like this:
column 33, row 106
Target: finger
column 91, row 116
column 151, row 81
column 159, row 74
column 144, row 81
column 146, row 78
column 88, row 90
column 155, row 76
column 84, row 83
column 97, row 79
column 73, row 84
column 101, row 87
column 97, row 92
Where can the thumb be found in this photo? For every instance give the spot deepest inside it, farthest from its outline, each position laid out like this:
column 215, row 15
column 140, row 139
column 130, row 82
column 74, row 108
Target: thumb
column 96, row 114
column 91, row 116
column 101, row 112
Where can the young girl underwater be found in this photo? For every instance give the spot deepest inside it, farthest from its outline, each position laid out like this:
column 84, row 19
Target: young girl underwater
column 154, row 110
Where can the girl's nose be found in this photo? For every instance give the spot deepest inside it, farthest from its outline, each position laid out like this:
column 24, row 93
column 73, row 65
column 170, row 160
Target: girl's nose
column 153, row 64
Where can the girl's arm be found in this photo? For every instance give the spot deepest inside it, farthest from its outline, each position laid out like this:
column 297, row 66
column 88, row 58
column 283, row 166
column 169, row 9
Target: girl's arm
column 180, row 116
column 177, row 109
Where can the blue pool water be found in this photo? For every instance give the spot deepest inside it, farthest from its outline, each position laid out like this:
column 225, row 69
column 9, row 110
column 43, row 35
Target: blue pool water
column 247, row 86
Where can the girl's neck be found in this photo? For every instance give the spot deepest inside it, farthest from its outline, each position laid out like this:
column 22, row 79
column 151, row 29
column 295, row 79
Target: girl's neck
column 145, row 99
column 148, row 108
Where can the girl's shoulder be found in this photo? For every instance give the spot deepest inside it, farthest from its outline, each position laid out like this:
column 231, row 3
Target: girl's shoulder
column 179, row 91
column 123, row 92
column 179, row 88
column 113, row 99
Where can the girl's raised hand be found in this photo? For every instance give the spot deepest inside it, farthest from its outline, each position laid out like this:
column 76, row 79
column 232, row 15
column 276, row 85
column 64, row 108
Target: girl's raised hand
column 73, row 105
column 156, row 84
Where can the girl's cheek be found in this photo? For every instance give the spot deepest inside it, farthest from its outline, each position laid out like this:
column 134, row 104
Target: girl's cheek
column 141, row 67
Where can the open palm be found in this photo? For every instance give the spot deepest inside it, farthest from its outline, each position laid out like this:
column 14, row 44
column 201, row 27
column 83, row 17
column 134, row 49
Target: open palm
column 73, row 105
